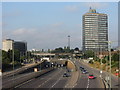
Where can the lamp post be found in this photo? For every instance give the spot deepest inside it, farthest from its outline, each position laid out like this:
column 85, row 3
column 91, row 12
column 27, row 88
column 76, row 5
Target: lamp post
column 109, row 44
column 109, row 49
column 100, row 53
column 13, row 59
column 100, row 50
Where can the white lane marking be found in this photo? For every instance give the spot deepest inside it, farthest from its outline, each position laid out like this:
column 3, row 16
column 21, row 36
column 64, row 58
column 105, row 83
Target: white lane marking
column 42, row 78
column 88, row 83
column 66, row 85
column 56, row 81
column 17, row 77
column 49, row 79
column 75, row 85
column 23, row 83
column 44, row 82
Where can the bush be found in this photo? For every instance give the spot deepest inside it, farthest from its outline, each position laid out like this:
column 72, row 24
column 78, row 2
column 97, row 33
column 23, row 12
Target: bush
column 91, row 61
column 103, row 61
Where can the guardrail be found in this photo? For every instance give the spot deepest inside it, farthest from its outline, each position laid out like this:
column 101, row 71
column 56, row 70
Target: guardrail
column 105, row 83
column 19, row 70
column 23, row 79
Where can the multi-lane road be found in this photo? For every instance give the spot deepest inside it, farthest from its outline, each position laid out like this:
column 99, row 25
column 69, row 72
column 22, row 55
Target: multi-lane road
column 55, row 79
column 84, row 81
column 96, row 83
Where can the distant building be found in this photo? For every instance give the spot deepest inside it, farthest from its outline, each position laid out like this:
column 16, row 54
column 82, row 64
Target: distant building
column 95, row 31
column 10, row 44
column 21, row 46
column 7, row 44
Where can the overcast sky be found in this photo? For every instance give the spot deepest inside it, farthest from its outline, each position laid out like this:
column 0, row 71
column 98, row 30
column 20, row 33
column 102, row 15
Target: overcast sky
column 46, row 25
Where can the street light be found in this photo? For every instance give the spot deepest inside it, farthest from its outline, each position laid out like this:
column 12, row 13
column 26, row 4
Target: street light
column 109, row 44
column 100, row 52
column 109, row 49
column 13, row 58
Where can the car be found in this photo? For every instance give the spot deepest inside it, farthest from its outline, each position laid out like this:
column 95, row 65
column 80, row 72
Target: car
column 68, row 70
column 91, row 76
column 66, row 75
column 81, row 68
column 84, row 71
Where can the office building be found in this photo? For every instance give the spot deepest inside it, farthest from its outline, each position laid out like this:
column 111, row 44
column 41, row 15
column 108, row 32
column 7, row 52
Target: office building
column 10, row 44
column 95, row 31
column 21, row 46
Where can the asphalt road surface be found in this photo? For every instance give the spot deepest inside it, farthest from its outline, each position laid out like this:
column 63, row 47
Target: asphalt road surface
column 53, row 79
column 84, row 82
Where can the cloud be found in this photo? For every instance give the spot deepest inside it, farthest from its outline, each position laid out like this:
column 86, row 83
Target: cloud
column 72, row 8
column 97, row 5
column 57, row 24
column 51, row 36
column 22, row 31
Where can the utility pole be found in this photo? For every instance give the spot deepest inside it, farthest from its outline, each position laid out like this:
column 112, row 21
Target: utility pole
column 101, row 60
column 110, row 63
column 13, row 58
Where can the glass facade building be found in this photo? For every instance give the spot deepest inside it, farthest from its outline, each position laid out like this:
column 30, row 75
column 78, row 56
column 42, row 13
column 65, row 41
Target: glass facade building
column 95, row 31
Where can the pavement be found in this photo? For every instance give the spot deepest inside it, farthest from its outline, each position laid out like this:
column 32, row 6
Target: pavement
column 114, row 79
column 53, row 79
column 84, row 82
column 11, row 82
column 72, row 82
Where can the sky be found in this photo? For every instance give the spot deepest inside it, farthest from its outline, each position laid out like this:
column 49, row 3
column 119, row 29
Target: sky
column 46, row 25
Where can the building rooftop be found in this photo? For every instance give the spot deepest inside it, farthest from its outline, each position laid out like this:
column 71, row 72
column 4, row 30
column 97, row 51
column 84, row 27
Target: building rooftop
column 93, row 11
column 8, row 40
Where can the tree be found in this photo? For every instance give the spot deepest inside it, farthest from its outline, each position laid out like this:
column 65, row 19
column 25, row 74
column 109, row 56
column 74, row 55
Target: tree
column 115, row 57
column 67, row 50
column 58, row 50
column 76, row 49
column 48, row 51
column 17, row 55
column 10, row 54
column 88, row 54
column 5, row 58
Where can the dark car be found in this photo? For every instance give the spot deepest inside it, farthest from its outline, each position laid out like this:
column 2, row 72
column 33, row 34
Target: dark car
column 66, row 75
column 68, row 70
column 84, row 71
column 81, row 68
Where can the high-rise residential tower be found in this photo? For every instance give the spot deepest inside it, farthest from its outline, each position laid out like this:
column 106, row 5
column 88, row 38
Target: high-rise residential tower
column 95, row 31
